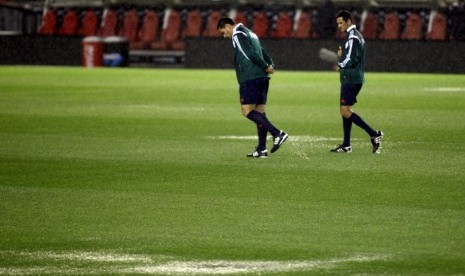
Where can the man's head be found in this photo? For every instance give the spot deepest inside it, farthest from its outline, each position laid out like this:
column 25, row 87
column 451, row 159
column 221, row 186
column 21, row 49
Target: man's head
column 226, row 27
column 344, row 20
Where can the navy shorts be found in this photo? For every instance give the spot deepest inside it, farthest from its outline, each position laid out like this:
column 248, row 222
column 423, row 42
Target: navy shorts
column 349, row 93
column 254, row 91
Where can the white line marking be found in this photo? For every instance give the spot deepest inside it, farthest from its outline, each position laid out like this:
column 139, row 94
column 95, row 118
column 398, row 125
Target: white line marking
column 445, row 89
column 232, row 137
column 292, row 138
column 300, row 143
column 83, row 256
column 155, row 107
column 240, row 267
column 108, row 263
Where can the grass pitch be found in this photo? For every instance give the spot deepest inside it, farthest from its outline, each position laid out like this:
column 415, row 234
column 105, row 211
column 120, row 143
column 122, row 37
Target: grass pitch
column 128, row 171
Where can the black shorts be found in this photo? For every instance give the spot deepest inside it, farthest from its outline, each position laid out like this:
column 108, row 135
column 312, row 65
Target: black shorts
column 349, row 93
column 254, row 91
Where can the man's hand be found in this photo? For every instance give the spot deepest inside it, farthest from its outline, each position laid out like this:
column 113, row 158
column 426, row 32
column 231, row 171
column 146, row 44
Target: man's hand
column 339, row 52
column 269, row 69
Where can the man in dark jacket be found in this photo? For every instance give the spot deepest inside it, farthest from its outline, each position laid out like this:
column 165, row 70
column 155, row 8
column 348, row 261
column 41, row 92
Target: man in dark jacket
column 352, row 70
column 253, row 68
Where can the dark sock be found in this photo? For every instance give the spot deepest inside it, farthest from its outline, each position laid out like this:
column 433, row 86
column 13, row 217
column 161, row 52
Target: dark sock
column 347, row 127
column 361, row 123
column 260, row 119
column 261, row 132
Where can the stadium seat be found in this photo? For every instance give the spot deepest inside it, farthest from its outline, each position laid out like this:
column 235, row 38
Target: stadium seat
column 212, row 21
column 193, row 29
column 413, row 27
column 70, row 23
column 369, row 25
column 260, row 24
column 437, row 27
column 148, row 32
column 193, row 24
column 391, row 27
column 129, row 28
column 284, row 26
column 303, row 26
column 109, row 23
column 49, row 22
column 241, row 17
column 171, row 32
column 89, row 24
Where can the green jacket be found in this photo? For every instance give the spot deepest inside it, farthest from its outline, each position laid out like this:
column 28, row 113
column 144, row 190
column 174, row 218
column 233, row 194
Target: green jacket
column 352, row 63
column 250, row 59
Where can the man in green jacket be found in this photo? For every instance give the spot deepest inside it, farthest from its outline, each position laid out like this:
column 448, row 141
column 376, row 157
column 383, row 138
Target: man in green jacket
column 351, row 70
column 253, row 67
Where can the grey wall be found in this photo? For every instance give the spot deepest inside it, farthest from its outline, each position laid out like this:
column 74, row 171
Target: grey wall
column 296, row 54
column 289, row 54
column 40, row 50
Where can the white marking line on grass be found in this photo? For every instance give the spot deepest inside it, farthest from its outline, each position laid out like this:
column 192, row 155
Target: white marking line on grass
column 445, row 89
column 84, row 256
column 100, row 257
column 166, row 108
column 296, row 142
column 241, row 267
column 292, row 138
column 72, row 262
column 104, row 262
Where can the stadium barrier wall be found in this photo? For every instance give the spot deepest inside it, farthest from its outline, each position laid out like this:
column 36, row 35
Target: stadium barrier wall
column 297, row 54
column 40, row 50
column 59, row 50
column 289, row 54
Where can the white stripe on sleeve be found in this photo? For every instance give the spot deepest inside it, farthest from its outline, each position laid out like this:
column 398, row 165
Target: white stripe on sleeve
column 238, row 45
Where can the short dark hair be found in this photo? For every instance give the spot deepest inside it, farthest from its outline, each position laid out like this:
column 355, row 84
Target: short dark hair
column 223, row 22
column 346, row 15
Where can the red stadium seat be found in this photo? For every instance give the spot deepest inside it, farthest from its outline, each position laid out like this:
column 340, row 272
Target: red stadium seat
column 391, row 27
column 193, row 29
column 49, row 22
column 437, row 29
column 170, row 37
column 193, row 24
column 260, row 24
column 241, row 17
column 129, row 28
column 212, row 21
column 109, row 23
column 284, row 26
column 89, row 24
column 413, row 27
column 70, row 23
column 369, row 28
column 304, row 25
column 148, row 33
